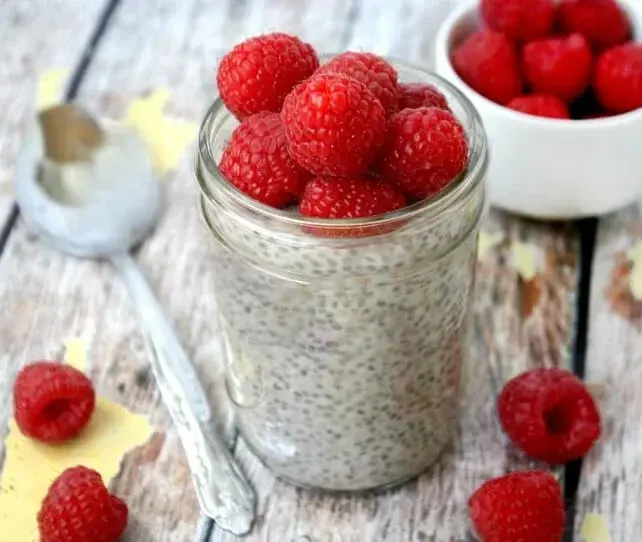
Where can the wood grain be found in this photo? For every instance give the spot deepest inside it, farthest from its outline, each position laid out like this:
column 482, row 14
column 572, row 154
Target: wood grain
column 50, row 297
column 611, row 475
column 36, row 36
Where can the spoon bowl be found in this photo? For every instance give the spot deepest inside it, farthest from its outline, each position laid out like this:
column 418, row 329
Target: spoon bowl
column 87, row 201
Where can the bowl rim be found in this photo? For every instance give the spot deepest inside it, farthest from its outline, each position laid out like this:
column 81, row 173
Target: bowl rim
column 442, row 53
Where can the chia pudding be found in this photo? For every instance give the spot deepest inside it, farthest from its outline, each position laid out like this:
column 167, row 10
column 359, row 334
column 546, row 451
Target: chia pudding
column 344, row 353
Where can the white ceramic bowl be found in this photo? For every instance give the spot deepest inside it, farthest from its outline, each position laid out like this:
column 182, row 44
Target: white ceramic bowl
column 548, row 168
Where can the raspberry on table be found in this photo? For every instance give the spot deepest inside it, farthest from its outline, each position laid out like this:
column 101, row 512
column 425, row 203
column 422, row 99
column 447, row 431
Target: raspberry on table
column 488, row 62
column 519, row 507
column 424, row 151
column 334, row 125
column 257, row 74
column 617, row 79
column 52, row 401
column 371, row 70
column 79, row 508
column 550, row 415
column 558, row 66
column 601, row 22
column 257, row 162
column 541, row 105
column 414, row 95
column 520, row 20
column 353, row 197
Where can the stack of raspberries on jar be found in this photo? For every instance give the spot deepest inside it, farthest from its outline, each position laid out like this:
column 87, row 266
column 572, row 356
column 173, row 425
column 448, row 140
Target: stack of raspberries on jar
column 340, row 140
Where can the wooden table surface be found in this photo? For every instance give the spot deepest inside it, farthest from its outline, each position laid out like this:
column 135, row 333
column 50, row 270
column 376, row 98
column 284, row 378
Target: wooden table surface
column 577, row 312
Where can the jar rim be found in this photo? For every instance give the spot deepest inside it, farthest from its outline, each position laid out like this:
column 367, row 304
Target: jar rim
column 433, row 207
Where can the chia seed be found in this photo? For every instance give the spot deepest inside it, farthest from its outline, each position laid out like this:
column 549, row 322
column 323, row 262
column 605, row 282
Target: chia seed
column 344, row 355
column 378, row 365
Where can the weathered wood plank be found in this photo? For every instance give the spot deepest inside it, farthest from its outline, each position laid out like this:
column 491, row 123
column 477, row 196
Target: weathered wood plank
column 519, row 324
column 404, row 29
column 36, row 36
column 610, row 484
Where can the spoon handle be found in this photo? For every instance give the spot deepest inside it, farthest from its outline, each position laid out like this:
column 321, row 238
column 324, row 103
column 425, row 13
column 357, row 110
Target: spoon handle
column 221, row 488
column 162, row 334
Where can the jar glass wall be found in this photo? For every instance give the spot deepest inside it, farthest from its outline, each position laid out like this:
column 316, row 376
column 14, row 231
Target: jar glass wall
column 344, row 339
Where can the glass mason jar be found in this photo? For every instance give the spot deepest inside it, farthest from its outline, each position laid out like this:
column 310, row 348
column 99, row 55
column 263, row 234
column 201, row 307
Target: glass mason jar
column 344, row 352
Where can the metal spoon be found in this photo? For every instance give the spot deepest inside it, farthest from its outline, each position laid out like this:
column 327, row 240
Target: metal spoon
column 90, row 191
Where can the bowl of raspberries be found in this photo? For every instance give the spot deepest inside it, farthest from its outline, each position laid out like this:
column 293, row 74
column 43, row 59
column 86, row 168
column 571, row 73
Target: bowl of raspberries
column 558, row 84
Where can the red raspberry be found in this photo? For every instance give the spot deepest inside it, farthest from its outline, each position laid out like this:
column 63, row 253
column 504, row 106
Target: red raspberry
column 521, row 20
column 550, row 415
column 354, row 197
column 371, row 70
column 489, row 63
column 350, row 197
column 519, row 507
column 334, row 125
column 541, row 105
column 558, row 66
column 257, row 162
column 618, row 78
column 52, row 401
column 79, row 508
column 258, row 74
column 414, row 95
column 425, row 149
column 601, row 22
